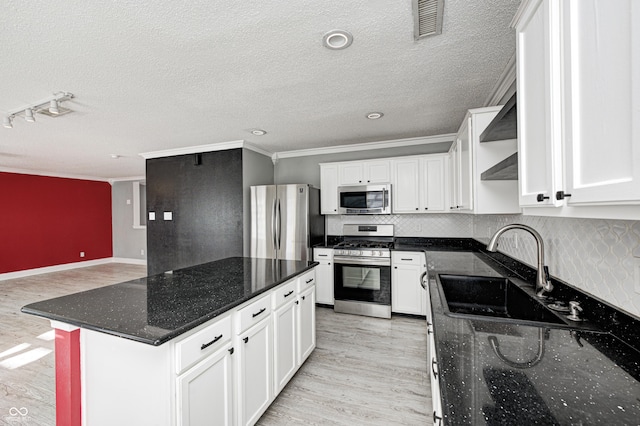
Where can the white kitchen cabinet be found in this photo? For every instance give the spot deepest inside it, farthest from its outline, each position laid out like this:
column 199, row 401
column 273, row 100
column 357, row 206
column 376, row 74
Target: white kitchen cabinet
column 579, row 107
column 602, row 101
column 539, row 103
column 407, row 294
column 205, row 391
column 471, row 158
column 254, row 368
column 306, row 316
column 406, row 185
column 419, row 184
column 329, row 188
column 285, row 360
column 324, row 275
column 364, row 172
column 454, row 175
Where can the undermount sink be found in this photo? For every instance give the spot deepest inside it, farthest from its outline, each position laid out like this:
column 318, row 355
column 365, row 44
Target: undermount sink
column 492, row 298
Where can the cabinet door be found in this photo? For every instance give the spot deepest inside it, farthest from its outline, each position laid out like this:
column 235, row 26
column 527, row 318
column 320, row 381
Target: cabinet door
column 254, row 370
column 406, row 292
column 602, row 99
column 204, row 392
column 324, row 284
column 329, row 189
column 350, row 173
column 539, row 104
column 465, row 194
column 284, row 345
column 306, row 324
column 406, row 190
column 433, row 184
column 454, row 175
column 377, row 171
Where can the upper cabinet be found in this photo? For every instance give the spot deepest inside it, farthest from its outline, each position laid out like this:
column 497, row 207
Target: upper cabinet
column 329, row 188
column 579, row 105
column 419, row 184
column 364, row 172
column 470, row 159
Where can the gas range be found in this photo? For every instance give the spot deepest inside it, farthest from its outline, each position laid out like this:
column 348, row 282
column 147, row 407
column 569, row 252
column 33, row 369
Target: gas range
column 375, row 241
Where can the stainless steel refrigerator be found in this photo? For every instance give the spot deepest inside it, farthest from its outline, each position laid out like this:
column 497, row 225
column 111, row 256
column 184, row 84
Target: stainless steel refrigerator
column 285, row 221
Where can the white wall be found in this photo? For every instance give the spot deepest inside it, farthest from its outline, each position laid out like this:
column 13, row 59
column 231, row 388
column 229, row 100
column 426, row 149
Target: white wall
column 127, row 241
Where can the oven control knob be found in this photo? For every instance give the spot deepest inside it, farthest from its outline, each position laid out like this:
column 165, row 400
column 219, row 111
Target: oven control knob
column 354, row 252
column 376, row 253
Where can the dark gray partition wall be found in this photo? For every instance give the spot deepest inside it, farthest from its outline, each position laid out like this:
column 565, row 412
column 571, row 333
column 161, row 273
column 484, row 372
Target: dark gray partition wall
column 204, row 195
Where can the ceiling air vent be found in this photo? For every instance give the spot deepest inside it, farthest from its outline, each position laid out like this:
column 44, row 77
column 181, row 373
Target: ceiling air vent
column 427, row 17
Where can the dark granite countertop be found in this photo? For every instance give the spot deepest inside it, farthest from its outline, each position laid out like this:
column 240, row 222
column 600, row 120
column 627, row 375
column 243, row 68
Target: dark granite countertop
column 158, row 308
column 583, row 377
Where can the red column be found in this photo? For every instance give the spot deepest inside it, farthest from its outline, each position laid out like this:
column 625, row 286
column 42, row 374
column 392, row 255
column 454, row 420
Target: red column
column 68, row 404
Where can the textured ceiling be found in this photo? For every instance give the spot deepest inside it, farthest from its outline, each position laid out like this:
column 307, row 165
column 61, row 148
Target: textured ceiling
column 156, row 75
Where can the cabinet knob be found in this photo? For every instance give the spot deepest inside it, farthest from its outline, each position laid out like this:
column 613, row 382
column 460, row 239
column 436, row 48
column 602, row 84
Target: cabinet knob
column 541, row 198
column 246, row 339
column 426, row 208
column 560, row 195
column 416, row 208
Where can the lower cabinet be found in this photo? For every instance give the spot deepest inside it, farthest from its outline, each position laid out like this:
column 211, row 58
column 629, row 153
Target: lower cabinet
column 254, row 390
column 306, row 324
column 205, row 391
column 407, row 294
column 324, row 275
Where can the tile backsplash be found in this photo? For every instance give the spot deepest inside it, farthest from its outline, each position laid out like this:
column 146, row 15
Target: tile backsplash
column 595, row 255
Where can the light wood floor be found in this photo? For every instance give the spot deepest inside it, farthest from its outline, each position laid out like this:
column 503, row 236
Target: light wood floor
column 364, row 371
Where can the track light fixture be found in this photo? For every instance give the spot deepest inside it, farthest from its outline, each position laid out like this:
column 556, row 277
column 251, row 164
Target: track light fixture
column 49, row 106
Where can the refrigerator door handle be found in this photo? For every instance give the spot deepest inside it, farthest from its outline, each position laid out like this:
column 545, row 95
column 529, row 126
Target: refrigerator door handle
column 274, row 226
column 279, row 222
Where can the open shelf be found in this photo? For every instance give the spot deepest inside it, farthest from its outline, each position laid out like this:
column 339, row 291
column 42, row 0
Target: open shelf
column 507, row 169
column 504, row 125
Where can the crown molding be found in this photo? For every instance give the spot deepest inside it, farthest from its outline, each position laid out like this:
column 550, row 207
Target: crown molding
column 204, row 148
column 395, row 143
column 53, row 174
column 505, row 83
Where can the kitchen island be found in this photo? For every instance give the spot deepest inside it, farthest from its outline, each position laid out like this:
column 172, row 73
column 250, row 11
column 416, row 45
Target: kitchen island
column 491, row 371
column 217, row 340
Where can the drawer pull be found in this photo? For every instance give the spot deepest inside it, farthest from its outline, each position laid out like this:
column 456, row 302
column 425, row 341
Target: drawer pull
column 408, row 260
column 230, row 351
column 206, row 345
column 309, row 280
column 246, row 339
column 289, row 294
column 302, row 297
column 436, row 418
column 434, row 363
column 259, row 312
column 323, row 255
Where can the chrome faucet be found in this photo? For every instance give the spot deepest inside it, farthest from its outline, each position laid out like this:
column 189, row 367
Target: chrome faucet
column 543, row 284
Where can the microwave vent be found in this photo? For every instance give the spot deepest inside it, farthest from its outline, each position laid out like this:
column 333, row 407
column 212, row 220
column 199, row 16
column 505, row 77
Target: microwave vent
column 427, row 17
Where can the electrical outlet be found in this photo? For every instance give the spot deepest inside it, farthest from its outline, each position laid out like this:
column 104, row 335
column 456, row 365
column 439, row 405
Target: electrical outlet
column 128, row 201
column 81, row 254
column 142, row 252
column 636, row 273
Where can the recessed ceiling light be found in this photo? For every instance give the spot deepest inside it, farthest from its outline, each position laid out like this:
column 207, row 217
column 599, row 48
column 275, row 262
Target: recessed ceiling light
column 337, row 39
column 374, row 115
column 258, row 132
column 115, row 156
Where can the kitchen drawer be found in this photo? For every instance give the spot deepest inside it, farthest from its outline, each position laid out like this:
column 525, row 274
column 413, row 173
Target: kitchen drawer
column 322, row 254
column 203, row 343
column 253, row 313
column 407, row 257
column 284, row 293
column 306, row 280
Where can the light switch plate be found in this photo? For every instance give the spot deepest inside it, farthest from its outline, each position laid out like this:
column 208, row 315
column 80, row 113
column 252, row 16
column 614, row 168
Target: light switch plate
column 168, row 215
column 152, row 215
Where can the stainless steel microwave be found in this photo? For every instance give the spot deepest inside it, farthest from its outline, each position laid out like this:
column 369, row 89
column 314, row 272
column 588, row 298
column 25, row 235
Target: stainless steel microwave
column 365, row 199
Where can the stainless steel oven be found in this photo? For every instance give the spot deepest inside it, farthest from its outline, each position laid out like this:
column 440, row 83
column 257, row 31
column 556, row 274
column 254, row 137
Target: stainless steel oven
column 362, row 271
column 365, row 199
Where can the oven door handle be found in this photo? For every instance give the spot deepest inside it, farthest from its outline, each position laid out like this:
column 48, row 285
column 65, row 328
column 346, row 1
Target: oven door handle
column 361, row 261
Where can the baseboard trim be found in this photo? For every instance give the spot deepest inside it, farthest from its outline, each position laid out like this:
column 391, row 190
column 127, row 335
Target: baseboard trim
column 68, row 266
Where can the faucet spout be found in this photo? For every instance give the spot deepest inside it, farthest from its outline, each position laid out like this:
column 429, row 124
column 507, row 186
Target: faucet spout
column 543, row 284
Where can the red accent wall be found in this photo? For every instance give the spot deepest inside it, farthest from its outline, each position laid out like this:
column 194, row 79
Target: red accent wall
column 46, row 221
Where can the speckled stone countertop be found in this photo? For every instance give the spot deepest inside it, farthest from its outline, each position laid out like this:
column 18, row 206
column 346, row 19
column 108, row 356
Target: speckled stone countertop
column 537, row 375
column 158, row 308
